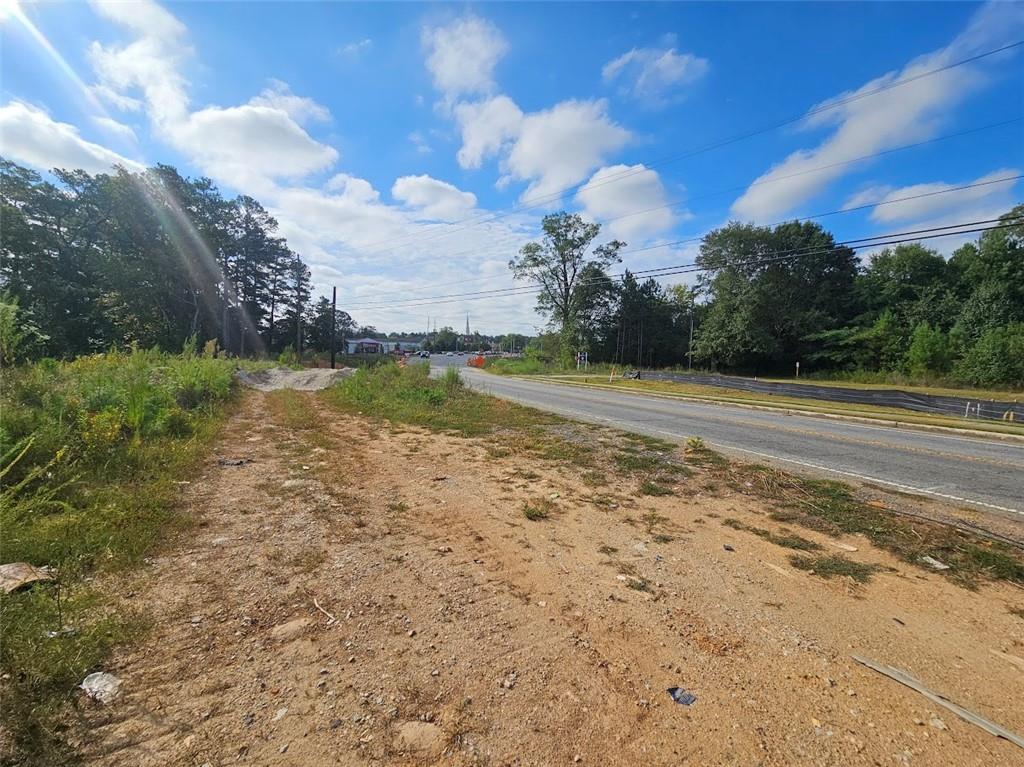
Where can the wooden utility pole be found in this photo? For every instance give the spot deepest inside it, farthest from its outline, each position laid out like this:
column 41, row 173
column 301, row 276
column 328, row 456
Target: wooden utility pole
column 334, row 321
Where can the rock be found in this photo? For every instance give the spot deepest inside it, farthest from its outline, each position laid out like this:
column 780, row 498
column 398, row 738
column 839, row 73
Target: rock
column 291, row 629
column 933, row 563
column 937, row 723
column 291, row 484
column 727, row 547
column 435, row 672
column 248, row 719
column 423, row 738
column 101, row 686
column 279, row 715
column 17, row 575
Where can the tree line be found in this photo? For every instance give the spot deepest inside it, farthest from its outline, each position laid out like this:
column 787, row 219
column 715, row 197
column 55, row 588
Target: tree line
column 769, row 297
column 152, row 258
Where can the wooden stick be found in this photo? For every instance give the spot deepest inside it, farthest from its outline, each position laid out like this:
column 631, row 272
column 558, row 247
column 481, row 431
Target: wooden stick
column 318, row 607
column 979, row 721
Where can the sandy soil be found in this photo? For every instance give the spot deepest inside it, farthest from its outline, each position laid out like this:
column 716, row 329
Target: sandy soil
column 308, row 379
column 462, row 633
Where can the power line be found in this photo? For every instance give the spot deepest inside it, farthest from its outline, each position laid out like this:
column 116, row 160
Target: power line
column 817, row 169
column 778, row 223
column 853, row 244
column 825, row 107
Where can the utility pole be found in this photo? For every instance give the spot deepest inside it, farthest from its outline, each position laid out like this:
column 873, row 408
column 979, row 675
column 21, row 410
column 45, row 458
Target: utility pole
column 334, row 321
column 689, row 347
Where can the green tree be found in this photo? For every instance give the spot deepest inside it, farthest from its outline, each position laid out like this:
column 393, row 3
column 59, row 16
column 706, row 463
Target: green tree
column 928, row 352
column 770, row 289
column 558, row 264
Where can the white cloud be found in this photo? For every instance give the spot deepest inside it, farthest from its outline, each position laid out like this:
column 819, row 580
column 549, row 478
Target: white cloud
column 30, row 136
column 633, row 196
column 433, row 199
column 462, row 55
column 352, row 188
column 900, row 115
column 354, row 49
column 652, row 74
column 244, row 146
column 119, row 129
column 300, row 108
column 422, row 147
column 115, row 99
column 486, row 126
column 558, row 147
column 999, row 195
column 867, row 196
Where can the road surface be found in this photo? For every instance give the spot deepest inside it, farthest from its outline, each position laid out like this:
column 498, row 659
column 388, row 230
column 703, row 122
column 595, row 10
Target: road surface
column 978, row 472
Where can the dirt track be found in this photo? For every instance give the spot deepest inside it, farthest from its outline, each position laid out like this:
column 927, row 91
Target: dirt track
column 466, row 634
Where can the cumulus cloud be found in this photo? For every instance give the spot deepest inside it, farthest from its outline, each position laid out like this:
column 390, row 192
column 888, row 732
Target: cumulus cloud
column 936, row 203
column 869, row 124
column 433, row 199
column 32, row 137
column 630, row 198
column 300, row 108
column 487, row 126
column 352, row 188
column 461, row 56
column 246, row 146
column 558, row 147
column 654, row 74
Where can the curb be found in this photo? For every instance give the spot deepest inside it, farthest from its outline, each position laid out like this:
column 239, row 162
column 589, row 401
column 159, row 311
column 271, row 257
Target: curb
column 788, row 410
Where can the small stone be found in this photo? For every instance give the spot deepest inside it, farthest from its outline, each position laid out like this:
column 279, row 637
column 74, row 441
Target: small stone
column 248, row 719
column 282, row 749
column 937, row 723
column 197, row 619
column 577, row 758
column 435, row 672
column 727, row 547
column 351, row 658
column 335, row 724
column 411, row 633
column 280, row 714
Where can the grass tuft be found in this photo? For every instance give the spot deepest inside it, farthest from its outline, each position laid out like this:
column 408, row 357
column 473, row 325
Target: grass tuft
column 831, row 565
column 538, row 509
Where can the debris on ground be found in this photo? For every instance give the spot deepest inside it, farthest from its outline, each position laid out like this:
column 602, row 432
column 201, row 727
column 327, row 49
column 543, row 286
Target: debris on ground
column 933, row 563
column 728, row 547
column 681, row 696
column 101, row 686
column 234, row 461
column 904, row 678
column 17, row 575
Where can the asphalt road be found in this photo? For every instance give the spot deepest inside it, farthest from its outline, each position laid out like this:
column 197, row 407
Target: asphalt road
column 982, row 473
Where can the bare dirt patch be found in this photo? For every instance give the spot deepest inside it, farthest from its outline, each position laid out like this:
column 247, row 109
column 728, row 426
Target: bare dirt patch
column 307, row 379
column 366, row 594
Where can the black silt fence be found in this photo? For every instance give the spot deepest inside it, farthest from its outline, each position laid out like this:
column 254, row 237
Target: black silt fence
column 992, row 410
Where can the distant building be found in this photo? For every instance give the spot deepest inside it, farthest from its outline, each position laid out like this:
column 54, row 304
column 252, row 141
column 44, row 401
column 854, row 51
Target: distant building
column 364, row 346
column 373, row 346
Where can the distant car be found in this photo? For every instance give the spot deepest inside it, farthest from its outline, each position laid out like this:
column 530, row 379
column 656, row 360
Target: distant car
column 462, row 354
column 423, row 354
column 448, row 354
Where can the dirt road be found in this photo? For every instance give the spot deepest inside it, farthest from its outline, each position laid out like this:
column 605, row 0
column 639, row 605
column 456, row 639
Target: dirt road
column 367, row 595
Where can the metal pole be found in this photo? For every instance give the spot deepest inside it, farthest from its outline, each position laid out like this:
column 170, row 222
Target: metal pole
column 689, row 348
column 334, row 322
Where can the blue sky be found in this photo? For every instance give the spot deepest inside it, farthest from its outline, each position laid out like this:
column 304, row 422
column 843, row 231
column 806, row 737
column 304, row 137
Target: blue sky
column 409, row 150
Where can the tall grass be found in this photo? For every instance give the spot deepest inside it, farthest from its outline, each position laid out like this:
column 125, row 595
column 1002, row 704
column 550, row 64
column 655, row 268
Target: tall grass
column 410, row 395
column 89, row 454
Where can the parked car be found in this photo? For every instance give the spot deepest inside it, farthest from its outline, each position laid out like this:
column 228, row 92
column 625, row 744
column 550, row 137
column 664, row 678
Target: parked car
column 424, row 353
column 448, row 354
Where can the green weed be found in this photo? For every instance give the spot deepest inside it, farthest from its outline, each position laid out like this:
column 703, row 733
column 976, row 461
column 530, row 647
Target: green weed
column 538, row 509
column 828, row 566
